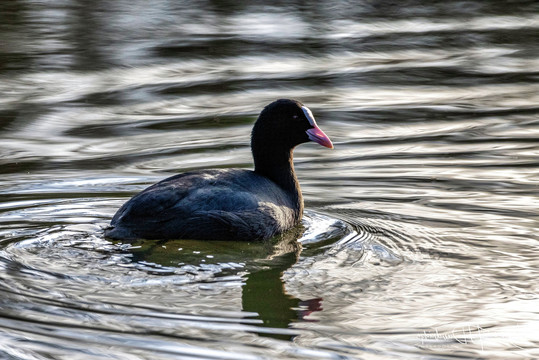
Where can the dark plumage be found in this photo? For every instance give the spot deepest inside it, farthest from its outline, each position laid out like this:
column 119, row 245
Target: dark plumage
column 229, row 204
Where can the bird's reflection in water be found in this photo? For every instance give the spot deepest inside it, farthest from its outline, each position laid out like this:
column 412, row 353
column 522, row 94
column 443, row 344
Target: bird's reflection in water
column 263, row 290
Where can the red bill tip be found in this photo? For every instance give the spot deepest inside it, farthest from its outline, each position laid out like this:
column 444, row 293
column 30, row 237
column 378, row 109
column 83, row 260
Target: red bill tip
column 317, row 135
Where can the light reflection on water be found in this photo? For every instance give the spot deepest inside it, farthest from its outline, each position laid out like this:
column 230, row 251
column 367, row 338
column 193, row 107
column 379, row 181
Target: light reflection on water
column 420, row 235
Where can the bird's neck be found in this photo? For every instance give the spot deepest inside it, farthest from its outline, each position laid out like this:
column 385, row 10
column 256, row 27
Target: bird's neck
column 278, row 166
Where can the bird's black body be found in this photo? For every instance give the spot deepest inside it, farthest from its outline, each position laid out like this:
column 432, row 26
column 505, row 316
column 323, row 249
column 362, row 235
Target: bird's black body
column 229, row 204
column 208, row 204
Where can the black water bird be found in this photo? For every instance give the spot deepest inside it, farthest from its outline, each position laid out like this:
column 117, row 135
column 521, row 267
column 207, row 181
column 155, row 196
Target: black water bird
column 229, row 204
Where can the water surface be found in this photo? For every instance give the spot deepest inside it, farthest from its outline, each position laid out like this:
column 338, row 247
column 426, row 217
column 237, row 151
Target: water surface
column 420, row 235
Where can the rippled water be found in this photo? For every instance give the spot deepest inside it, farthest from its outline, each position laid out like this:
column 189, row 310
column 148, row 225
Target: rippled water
column 420, row 236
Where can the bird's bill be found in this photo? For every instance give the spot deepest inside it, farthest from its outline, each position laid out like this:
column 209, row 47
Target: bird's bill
column 316, row 134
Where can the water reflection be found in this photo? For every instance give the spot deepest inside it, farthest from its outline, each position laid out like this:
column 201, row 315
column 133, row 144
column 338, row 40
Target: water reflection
column 262, row 266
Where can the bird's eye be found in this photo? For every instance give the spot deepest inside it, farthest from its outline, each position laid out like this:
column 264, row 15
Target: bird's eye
column 294, row 117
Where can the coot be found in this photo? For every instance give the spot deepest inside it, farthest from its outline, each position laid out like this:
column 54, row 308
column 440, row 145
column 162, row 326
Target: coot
column 229, row 204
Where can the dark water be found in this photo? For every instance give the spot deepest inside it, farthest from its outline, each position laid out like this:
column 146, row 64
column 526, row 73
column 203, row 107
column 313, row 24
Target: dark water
column 420, row 237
